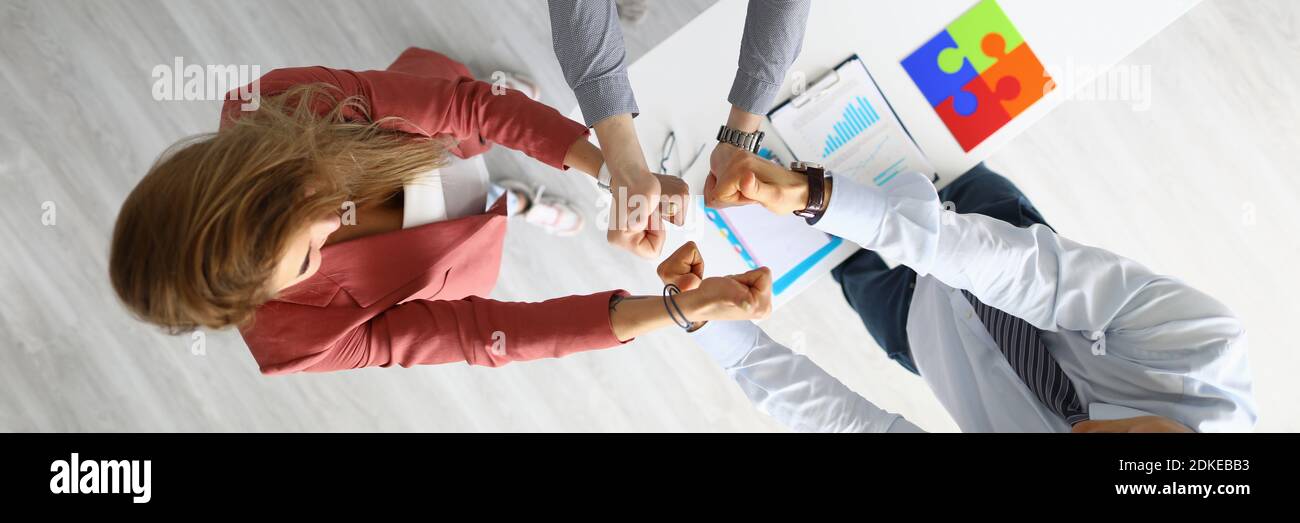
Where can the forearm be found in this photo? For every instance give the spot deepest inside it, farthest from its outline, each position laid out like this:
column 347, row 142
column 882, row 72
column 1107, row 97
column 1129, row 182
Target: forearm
column 589, row 46
column 481, row 331
column 632, row 316
column 1001, row 264
column 620, row 146
column 743, row 120
column 1032, row 273
column 636, row 315
column 584, row 157
column 774, row 31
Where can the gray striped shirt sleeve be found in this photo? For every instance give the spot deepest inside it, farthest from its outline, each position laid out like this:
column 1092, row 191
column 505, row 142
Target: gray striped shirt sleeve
column 589, row 45
column 774, row 32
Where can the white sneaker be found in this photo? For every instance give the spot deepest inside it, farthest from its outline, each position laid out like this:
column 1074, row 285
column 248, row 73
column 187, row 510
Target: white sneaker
column 554, row 215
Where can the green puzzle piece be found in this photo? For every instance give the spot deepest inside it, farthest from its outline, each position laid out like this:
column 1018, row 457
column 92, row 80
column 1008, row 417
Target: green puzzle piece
column 969, row 31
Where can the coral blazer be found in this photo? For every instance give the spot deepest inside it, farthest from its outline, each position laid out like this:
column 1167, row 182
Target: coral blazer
column 413, row 296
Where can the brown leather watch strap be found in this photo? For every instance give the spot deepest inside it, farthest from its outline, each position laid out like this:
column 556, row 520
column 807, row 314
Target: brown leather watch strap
column 818, row 183
column 824, row 201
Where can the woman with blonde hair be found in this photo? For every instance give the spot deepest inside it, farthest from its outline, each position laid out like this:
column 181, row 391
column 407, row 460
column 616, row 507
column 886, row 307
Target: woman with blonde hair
column 244, row 227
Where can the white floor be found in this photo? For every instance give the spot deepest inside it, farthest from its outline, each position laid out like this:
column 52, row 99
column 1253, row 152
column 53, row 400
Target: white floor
column 1201, row 186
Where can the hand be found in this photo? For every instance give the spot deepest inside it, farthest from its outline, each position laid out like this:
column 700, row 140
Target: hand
column 638, row 204
column 745, row 296
column 721, row 157
column 674, row 198
column 719, row 160
column 748, row 179
column 683, row 268
column 645, row 243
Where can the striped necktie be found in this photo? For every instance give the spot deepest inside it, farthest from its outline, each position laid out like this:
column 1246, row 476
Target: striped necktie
column 1022, row 345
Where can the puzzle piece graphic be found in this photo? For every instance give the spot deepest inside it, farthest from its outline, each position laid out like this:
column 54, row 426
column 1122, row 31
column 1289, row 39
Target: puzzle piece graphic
column 989, row 116
column 1018, row 78
column 969, row 31
column 937, row 84
column 978, row 74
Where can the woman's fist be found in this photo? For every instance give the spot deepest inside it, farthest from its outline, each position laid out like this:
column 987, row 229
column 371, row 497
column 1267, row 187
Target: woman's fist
column 683, row 268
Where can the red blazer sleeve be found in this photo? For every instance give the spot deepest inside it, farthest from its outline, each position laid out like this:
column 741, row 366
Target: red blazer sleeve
column 475, row 330
column 463, row 108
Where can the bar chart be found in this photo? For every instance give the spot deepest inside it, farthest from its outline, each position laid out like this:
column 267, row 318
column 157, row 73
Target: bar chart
column 858, row 116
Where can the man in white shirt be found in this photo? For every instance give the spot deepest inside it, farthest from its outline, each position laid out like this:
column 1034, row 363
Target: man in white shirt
column 1014, row 328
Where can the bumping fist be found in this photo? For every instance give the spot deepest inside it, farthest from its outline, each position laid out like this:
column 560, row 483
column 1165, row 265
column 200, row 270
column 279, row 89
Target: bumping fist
column 746, row 296
column 747, row 179
column 634, row 221
column 674, row 199
column 683, row 268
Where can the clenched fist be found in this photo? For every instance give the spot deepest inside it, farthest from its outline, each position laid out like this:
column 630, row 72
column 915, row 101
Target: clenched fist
column 746, row 296
column 747, row 179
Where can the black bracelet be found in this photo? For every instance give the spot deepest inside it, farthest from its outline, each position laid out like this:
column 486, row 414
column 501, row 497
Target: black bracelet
column 670, row 305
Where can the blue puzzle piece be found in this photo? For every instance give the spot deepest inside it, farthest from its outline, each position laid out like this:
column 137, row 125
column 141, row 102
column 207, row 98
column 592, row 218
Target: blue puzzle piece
column 923, row 66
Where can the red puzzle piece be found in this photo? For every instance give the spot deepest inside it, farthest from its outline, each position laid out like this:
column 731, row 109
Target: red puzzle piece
column 1018, row 78
column 989, row 116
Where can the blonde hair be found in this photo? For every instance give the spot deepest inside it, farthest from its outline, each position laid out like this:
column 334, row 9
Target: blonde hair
column 198, row 239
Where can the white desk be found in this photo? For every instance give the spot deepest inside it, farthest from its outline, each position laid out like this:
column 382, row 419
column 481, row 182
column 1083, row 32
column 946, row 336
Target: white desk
column 682, row 84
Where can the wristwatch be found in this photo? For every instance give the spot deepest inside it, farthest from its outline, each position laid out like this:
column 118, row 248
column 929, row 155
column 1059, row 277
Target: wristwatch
column 741, row 139
column 819, row 185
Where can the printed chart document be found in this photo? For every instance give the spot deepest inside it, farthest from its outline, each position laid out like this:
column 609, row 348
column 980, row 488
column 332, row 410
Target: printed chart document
column 784, row 244
column 844, row 123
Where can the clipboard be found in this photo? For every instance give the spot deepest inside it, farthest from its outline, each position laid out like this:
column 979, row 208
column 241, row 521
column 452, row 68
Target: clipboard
column 844, row 122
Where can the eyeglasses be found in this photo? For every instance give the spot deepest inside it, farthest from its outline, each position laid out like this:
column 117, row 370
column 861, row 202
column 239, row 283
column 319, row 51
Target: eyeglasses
column 666, row 155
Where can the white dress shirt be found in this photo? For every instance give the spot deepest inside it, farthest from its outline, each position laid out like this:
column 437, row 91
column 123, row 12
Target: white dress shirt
column 1130, row 340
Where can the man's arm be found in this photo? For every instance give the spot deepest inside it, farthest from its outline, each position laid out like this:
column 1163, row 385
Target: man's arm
column 785, row 385
column 773, row 37
column 589, row 45
column 789, row 386
column 1159, row 322
column 1032, row 273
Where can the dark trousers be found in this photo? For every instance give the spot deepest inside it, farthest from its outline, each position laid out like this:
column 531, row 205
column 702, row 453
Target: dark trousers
column 882, row 296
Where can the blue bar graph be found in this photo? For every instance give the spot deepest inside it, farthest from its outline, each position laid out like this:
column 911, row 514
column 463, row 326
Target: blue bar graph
column 857, row 117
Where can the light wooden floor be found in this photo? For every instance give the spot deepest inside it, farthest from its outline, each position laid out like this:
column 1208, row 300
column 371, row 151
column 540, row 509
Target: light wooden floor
column 1202, row 186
